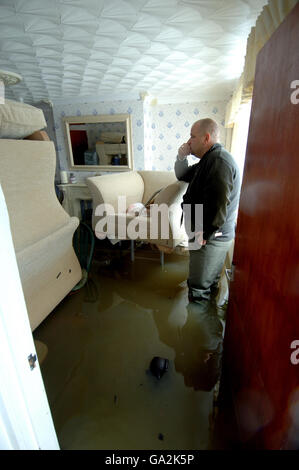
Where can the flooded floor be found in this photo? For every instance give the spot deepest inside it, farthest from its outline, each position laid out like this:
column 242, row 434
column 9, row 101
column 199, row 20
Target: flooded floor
column 101, row 341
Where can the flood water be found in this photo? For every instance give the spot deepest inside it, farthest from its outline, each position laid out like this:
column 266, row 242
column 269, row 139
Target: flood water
column 101, row 340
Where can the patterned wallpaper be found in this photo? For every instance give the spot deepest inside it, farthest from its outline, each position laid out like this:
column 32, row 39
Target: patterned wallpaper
column 158, row 129
column 168, row 126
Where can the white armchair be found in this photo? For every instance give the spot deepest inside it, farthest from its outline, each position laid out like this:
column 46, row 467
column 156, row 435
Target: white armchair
column 139, row 187
column 42, row 231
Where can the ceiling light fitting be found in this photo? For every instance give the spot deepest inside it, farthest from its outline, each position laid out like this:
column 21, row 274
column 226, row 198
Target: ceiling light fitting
column 9, row 78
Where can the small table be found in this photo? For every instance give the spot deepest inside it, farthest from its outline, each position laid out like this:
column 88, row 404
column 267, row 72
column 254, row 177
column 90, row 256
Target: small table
column 74, row 193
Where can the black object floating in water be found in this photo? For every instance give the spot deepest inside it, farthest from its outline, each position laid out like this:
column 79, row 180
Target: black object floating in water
column 158, row 366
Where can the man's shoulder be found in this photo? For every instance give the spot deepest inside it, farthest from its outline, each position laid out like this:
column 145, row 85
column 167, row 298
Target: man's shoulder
column 223, row 154
column 221, row 151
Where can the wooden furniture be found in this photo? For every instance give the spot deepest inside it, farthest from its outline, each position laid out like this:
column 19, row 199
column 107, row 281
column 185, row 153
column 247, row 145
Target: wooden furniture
column 260, row 383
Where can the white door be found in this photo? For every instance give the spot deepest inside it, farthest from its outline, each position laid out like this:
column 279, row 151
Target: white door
column 25, row 418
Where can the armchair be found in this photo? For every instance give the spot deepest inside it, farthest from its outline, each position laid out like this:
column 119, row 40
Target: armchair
column 42, row 231
column 165, row 231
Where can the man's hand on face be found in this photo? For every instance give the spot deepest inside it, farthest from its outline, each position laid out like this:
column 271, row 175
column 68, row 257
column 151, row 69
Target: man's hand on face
column 200, row 240
column 184, row 151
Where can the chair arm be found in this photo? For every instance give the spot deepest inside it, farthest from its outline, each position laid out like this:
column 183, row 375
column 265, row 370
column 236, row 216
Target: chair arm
column 172, row 196
column 106, row 189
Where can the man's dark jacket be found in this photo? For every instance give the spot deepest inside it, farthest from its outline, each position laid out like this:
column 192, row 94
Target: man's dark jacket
column 215, row 183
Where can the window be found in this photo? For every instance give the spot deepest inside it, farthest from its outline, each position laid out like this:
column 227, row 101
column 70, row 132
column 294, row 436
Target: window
column 240, row 135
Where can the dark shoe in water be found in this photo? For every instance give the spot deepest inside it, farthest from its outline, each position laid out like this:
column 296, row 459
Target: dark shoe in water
column 158, row 366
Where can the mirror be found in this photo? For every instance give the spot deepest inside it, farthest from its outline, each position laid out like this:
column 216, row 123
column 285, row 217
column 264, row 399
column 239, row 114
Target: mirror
column 101, row 142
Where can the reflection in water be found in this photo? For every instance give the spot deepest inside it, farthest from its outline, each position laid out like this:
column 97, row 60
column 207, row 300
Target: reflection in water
column 198, row 353
column 91, row 291
column 197, row 342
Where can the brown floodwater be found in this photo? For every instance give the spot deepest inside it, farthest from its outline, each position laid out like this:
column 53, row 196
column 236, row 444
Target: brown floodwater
column 101, row 340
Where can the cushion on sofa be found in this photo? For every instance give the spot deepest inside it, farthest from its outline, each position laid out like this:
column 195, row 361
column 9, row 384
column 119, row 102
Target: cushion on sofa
column 172, row 194
column 49, row 269
column 18, row 120
column 154, row 181
column 107, row 188
column 27, row 172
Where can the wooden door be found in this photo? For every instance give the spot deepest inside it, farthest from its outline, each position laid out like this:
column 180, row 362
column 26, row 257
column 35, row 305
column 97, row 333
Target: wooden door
column 260, row 373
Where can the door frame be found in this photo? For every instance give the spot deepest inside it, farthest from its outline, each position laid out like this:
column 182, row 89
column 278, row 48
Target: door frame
column 25, row 417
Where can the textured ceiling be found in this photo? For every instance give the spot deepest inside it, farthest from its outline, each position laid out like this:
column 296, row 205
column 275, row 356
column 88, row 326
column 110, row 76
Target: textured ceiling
column 69, row 49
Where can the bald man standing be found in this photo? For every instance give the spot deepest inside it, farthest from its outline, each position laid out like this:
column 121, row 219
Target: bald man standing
column 215, row 183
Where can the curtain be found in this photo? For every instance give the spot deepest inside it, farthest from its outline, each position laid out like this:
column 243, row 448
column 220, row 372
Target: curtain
column 272, row 15
column 233, row 105
column 268, row 21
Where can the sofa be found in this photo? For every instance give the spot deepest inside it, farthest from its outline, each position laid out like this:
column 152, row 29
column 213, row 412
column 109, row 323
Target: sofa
column 140, row 188
column 42, row 231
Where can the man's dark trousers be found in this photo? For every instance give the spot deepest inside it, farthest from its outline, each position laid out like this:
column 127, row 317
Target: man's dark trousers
column 205, row 268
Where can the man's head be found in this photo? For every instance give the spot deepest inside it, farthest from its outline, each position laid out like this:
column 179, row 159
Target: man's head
column 204, row 133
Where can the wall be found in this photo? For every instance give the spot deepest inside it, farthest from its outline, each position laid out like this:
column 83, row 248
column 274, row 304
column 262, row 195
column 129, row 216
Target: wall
column 167, row 126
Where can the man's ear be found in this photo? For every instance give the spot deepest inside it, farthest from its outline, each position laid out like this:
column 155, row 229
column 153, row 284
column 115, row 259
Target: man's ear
column 207, row 138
